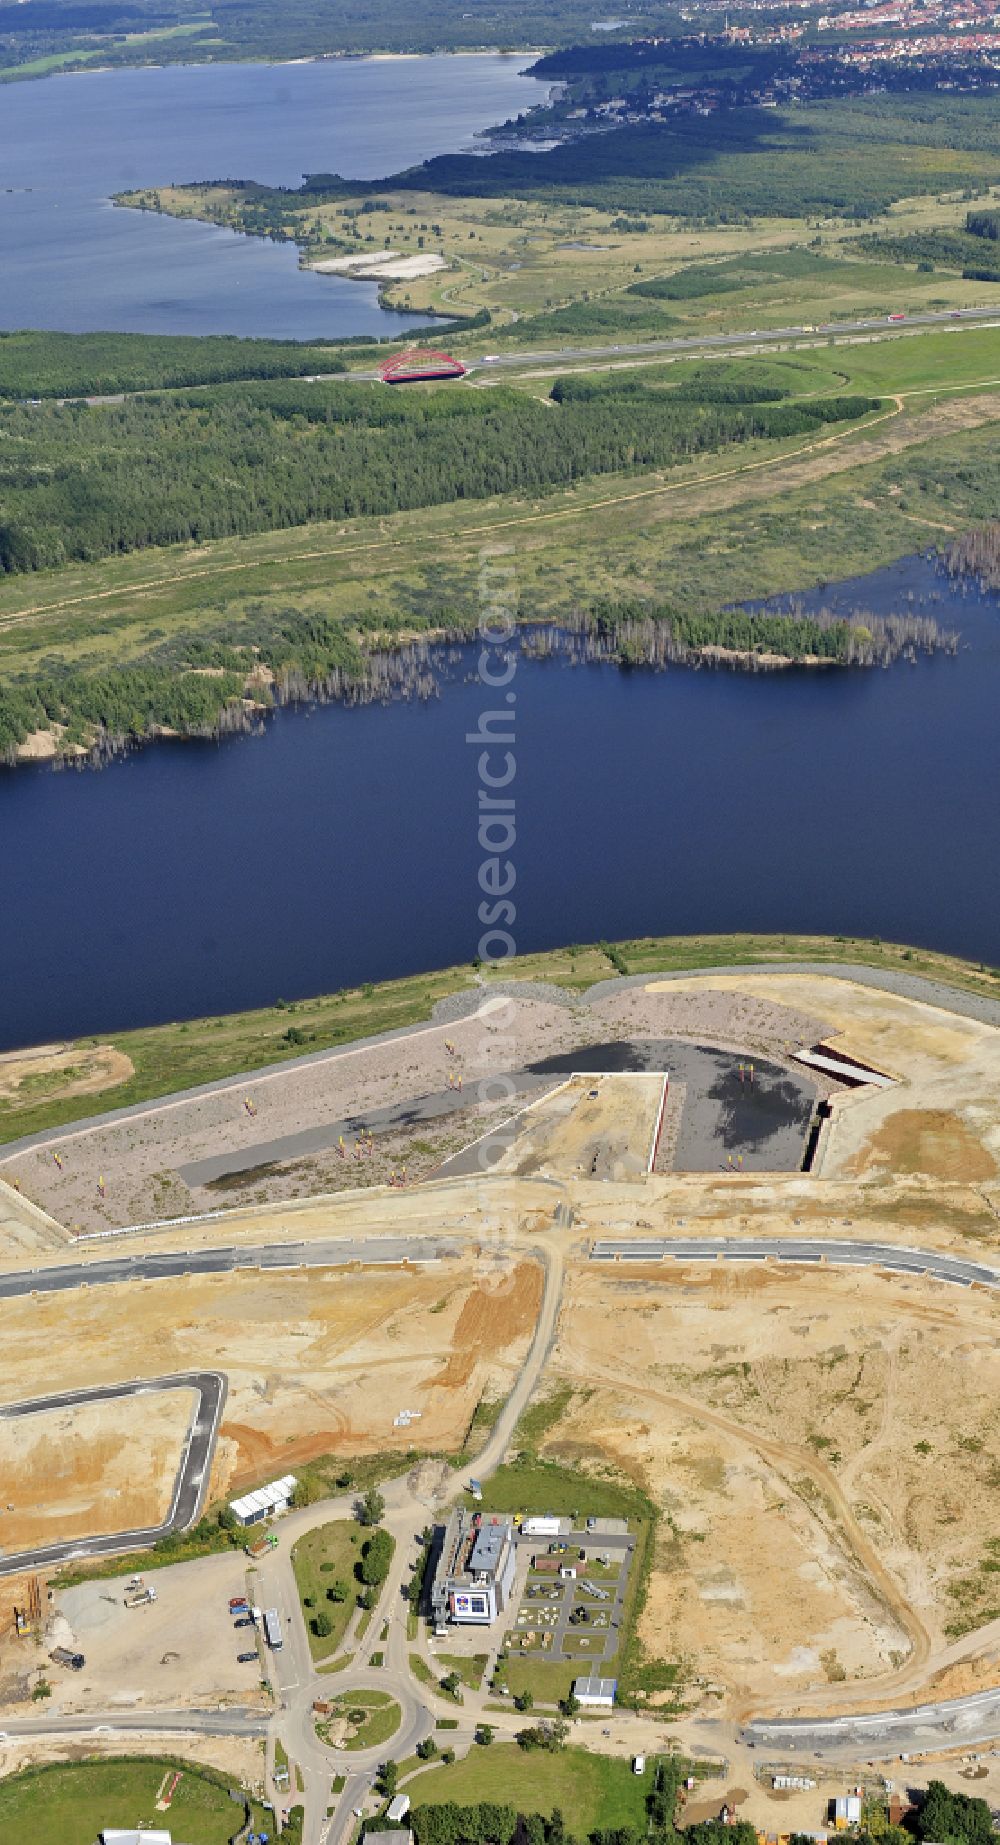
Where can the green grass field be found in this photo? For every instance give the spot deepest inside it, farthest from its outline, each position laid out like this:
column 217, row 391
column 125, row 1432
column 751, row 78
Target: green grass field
column 470, row 1668
column 322, row 1558
column 593, row 1791
column 69, row 1805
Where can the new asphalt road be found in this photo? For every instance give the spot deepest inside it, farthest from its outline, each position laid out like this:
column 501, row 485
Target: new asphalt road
column 169, row 1264
column 190, row 1484
column 794, row 1249
column 947, row 1725
column 167, row 1722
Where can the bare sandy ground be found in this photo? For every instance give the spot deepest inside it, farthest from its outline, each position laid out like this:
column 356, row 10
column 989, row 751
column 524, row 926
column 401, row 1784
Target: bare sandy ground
column 25, row 1229
column 57, row 1069
column 138, row 1158
column 317, row 1364
column 734, row 1013
column 179, row 1650
column 824, row 1459
column 241, row 1758
column 91, row 1469
column 591, row 1127
column 386, row 266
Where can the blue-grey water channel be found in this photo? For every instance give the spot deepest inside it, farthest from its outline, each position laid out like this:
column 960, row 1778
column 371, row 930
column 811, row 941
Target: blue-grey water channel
column 341, row 845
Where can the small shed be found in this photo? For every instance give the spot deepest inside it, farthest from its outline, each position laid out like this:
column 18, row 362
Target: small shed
column 847, row 1810
column 595, row 1693
column 131, row 1835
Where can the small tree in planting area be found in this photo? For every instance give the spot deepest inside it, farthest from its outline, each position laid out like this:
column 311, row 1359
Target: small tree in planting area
column 376, row 1556
column 371, row 1509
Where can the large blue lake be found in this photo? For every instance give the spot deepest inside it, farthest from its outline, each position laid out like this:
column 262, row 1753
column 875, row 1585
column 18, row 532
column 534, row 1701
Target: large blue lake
column 73, row 262
column 341, row 845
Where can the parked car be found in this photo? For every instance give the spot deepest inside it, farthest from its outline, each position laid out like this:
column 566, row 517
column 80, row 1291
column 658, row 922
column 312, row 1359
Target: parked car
column 245, row 1620
column 243, row 1659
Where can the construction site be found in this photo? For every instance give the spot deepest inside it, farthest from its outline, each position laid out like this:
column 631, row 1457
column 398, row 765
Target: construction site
column 706, row 1250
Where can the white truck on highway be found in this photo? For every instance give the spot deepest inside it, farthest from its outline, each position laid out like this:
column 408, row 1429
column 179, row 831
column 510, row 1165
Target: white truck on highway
column 272, row 1629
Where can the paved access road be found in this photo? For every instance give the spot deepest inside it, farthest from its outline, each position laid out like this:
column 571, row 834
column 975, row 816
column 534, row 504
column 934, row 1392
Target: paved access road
column 795, row 1249
column 947, row 1725
column 190, row 1485
column 168, row 1264
column 221, row 1722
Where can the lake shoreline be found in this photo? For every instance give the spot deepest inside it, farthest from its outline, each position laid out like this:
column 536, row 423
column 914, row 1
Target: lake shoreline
column 417, row 668
column 13, row 73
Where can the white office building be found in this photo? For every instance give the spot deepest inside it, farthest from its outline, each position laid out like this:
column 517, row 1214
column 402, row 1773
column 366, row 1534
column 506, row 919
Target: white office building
column 477, row 1563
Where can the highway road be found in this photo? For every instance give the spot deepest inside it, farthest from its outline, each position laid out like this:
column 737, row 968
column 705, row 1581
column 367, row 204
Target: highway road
column 689, row 344
column 708, row 342
column 190, row 1485
column 168, row 1264
column 927, row 1262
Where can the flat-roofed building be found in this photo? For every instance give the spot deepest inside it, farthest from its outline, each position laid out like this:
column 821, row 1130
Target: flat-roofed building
column 133, row 1835
column 476, row 1566
column 266, row 1502
column 595, row 1693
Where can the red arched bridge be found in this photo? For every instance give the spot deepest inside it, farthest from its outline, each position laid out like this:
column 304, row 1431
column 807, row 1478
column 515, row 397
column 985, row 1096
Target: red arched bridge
column 419, row 366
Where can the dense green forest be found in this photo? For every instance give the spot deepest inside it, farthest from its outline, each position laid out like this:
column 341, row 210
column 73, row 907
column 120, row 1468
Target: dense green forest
column 707, row 384
column 969, row 250
column 194, row 687
column 95, row 364
column 79, row 482
column 850, row 156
